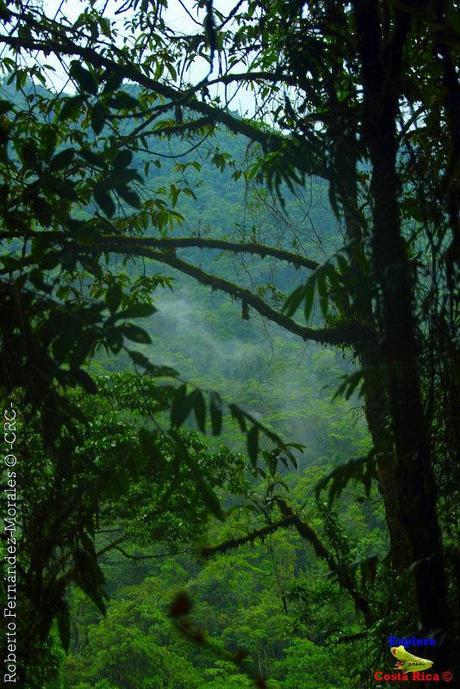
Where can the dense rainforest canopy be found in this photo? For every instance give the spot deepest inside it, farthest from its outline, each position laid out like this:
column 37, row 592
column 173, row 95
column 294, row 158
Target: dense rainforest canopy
column 229, row 341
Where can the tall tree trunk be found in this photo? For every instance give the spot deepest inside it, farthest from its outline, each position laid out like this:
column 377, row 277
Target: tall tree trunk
column 375, row 397
column 345, row 164
column 381, row 65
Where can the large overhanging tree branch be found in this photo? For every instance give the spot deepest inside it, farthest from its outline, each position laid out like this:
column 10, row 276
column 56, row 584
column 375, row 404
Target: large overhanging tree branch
column 347, row 334
column 170, row 243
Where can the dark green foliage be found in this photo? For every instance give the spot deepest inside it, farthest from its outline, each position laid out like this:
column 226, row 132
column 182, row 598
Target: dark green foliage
column 361, row 470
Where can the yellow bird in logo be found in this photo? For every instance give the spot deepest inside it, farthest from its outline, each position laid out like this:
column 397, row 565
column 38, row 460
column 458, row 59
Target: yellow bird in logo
column 408, row 662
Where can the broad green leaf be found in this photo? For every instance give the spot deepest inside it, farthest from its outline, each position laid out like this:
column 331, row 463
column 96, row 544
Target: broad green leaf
column 88, row 576
column 309, row 295
column 104, row 200
column 181, row 406
column 62, row 159
column 113, row 297
column 91, row 265
column 293, row 301
column 238, row 415
column 137, row 311
column 362, row 470
column 98, row 115
column 199, row 407
column 135, row 334
column 86, row 79
column 130, row 197
column 210, row 499
column 215, row 409
column 252, row 441
column 123, row 159
column 93, row 158
column 71, row 107
column 123, row 101
column 322, row 291
column 342, row 264
column 5, row 106
column 29, row 153
column 43, row 210
column 85, row 380
column 113, row 83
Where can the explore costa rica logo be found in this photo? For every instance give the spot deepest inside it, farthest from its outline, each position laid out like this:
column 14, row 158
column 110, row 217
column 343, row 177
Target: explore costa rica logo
column 411, row 668
column 407, row 662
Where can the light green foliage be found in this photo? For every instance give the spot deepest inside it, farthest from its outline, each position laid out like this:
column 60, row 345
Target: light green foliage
column 307, row 665
column 274, row 600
